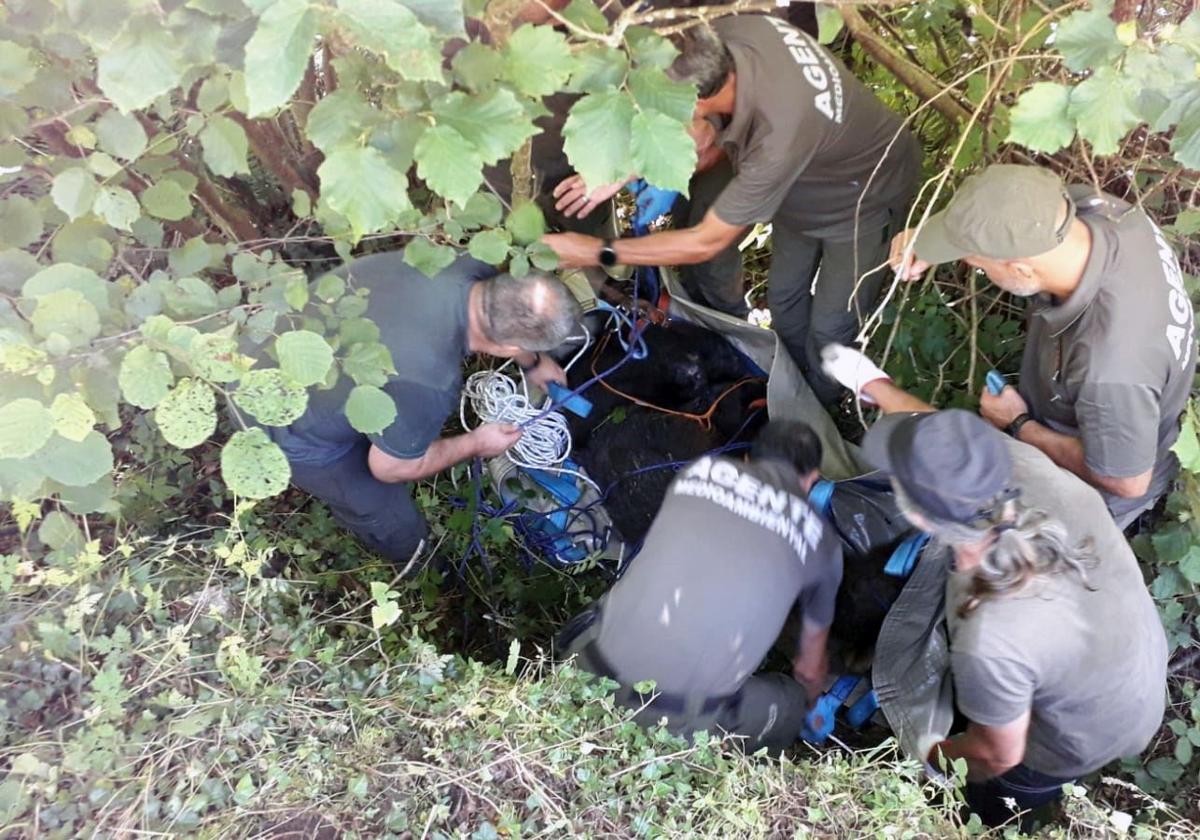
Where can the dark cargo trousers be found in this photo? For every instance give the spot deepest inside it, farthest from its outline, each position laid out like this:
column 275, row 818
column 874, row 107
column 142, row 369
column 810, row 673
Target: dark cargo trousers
column 382, row 515
column 767, row 711
column 805, row 317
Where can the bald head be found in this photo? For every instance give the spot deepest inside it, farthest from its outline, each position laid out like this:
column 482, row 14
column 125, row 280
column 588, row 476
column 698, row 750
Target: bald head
column 535, row 312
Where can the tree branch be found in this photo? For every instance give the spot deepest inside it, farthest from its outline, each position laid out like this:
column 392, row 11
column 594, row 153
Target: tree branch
column 269, row 146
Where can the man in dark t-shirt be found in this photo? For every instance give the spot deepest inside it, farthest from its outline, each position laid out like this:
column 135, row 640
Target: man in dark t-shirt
column 812, row 151
column 428, row 325
column 733, row 548
column 1111, row 346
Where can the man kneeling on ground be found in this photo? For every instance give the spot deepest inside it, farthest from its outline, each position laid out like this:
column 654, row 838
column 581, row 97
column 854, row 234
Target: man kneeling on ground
column 733, row 547
column 1057, row 654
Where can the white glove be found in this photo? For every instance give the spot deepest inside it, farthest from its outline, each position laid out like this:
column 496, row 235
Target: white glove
column 851, row 369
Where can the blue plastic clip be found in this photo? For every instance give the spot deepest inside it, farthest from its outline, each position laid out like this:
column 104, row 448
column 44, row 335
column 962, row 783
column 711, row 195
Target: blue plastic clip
column 863, row 709
column 826, row 709
column 577, row 405
column 821, row 496
column 995, row 382
column 904, row 556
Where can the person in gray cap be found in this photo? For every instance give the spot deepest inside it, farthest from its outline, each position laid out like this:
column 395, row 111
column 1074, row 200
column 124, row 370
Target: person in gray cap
column 1057, row 655
column 1110, row 352
column 733, row 548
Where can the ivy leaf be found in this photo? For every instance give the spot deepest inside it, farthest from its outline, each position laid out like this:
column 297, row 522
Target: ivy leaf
column 73, row 419
column 117, row 206
column 489, row 246
column 16, row 68
column 370, row 410
column 526, row 223
column 663, row 152
column 20, row 222
column 597, row 137
column 427, row 258
column 1040, row 121
column 654, row 90
column 1088, row 38
column 66, row 313
column 361, row 185
column 537, row 60
column 145, row 377
column 304, row 356
column 77, row 463
column 121, row 135
column 339, row 118
column 254, row 466
column 225, row 147
column 449, row 164
column 142, row 64
column 494, row 123
column 270, row 397
column 73, row 191
column 278, row 53
column 25, row 426
column 167, row 200
column 1102, row 107
column 187, row 416
column 388, row 28
column 369, row 363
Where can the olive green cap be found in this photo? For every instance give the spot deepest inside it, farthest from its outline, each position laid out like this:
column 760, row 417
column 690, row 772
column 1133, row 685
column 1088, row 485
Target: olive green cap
column 1005, row 212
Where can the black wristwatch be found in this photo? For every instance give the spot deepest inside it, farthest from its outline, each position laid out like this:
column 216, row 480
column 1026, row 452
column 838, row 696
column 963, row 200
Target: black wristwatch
column 1014, row 428
column 537, row 360
column 608, row 254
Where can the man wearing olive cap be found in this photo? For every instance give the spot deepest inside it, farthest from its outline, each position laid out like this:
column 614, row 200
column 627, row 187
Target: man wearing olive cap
column 1111, row 350
column 1054, row 648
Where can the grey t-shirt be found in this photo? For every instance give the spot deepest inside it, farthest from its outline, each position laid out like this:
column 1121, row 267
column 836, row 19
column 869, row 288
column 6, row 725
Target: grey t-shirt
column 806, row 135
column 1089, row 661
column 730, row 552
column 1113, row 363
column 423, row 323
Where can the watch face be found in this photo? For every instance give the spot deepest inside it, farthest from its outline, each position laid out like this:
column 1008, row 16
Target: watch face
column 608, row 256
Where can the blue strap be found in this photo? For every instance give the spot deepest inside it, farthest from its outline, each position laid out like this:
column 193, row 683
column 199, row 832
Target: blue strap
column 904, row 557
column 821, row 496
column 863, row 709
column 578, row 405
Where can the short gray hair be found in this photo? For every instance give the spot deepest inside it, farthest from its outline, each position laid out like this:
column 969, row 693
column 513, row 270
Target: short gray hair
column 534, row 312
column 702, row 59
column 1025, row 543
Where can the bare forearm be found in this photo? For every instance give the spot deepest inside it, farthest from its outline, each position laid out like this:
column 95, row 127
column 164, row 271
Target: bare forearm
column 892, row 399
column 670, row 247
column 982, row 761
column 441, row 454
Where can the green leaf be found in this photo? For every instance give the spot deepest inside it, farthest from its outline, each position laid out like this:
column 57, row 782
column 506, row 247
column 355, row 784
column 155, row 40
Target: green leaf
column 20, row 222
column 254, row 466
column 121, row 135
column 77, row 463
column 663, row 152
column 117, row 206
column 494, row 123
column 597, row 137
column 329, row 287
column 1102, row 107
column 142, row 64
column 190, row 297
column 1165, row 769
column 85, row 242
column 1189, row 566
column 145, row 377
column 16, row 68
column 167, row 200
column 304, row 356
column 66, row 313
column 427, row 258
column 654, row 90
column 216, row 358
column 25, row 426
column 598, row 68
column 270, row 397
column 225, row 147
column 73, row 191
column 829, row 23
column 384, row 614
column 370, row 410
column 66, row 276
column 444, row 16
column 340, row 118
column 1040, row 121
column 537, row 60
column 477, row 66
column 1183, row 751
column 489, row 246
column 482, row 210
column 388, row 28
column 647, row 47
column 1185, row 144
column 187, row 416
column 369, row 363
column 542, row 256
column 526, row 223
column 1187, row 445
column 449, row 164
column 278, row 53
column 1088, row 38
column 59, row 531
column 361, row 185
column 73, row 419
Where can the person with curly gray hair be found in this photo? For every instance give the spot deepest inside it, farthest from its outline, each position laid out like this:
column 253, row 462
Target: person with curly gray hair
column 1056, row 652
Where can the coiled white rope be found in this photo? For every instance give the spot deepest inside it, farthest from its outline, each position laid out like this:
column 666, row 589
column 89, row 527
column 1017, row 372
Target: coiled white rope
column 495, row 398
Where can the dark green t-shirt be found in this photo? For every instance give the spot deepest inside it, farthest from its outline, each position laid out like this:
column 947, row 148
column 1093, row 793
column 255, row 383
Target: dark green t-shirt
column 732, row 549
column 423, row 323
column 1113, row 363
column 806, row 137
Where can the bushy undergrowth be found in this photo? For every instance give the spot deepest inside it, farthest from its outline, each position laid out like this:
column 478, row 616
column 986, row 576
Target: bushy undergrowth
column 169, row 687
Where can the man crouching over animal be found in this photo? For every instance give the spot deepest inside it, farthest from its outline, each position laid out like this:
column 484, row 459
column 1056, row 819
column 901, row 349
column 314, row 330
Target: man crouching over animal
column 733, row 548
